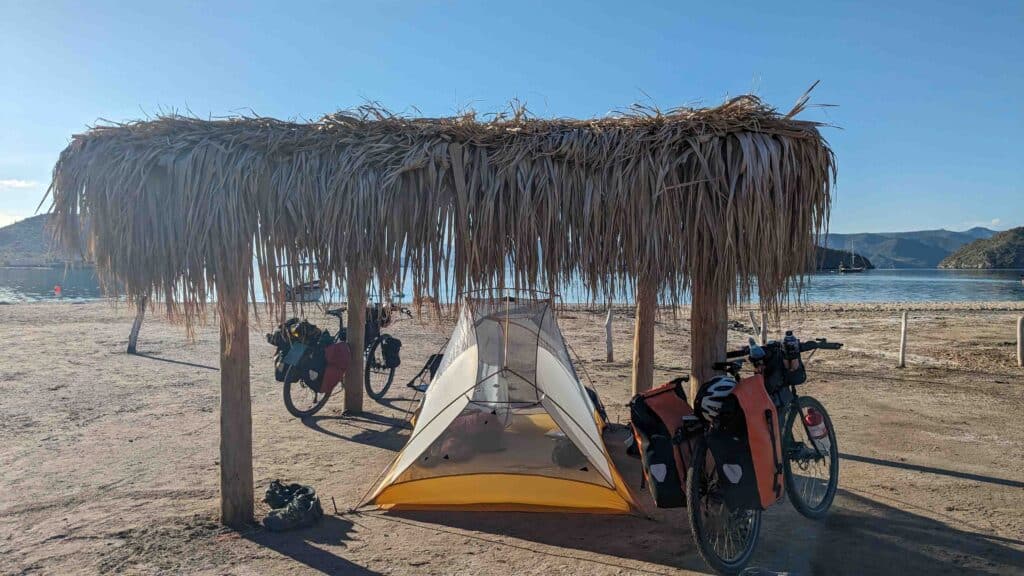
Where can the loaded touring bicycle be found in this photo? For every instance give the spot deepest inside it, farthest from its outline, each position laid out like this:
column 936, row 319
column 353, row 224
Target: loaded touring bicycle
column 309, row 361
column 745, row 443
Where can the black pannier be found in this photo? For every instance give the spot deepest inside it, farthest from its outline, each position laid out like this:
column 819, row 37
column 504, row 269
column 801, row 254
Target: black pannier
column 391, row 348
column 664, row 429
column 744, row 442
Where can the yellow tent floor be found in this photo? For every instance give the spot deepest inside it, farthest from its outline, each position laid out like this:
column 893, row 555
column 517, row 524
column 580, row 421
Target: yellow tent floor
column 492, row 482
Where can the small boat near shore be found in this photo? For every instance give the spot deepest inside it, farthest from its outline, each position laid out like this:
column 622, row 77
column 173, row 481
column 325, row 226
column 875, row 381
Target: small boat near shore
column 312, row 291
column 852, row 268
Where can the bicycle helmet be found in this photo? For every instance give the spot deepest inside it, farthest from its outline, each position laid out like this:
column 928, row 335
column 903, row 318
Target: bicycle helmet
column 712, row 394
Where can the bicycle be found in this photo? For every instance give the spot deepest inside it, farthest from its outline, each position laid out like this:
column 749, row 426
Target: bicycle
column 810, row 466
column 300, row 357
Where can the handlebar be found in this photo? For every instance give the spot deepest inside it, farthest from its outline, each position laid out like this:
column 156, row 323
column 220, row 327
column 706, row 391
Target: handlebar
column 817, row 344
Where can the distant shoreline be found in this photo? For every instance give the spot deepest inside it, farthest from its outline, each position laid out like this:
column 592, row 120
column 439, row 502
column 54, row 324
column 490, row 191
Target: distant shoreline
column 55, row 266
column 736, row 311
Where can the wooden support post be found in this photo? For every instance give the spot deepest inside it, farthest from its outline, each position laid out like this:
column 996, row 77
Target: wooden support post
column 140, row 313
column 709, row 325
column 643, row 335
column 753, row 322
column 1020, row 342
column 236, row 486
column 764, row 327
column 609, row 348
column 356, row 289
column 903, row 342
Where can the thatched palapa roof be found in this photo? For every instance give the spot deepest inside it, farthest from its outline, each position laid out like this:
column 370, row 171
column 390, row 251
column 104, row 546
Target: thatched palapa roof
column 722, row 196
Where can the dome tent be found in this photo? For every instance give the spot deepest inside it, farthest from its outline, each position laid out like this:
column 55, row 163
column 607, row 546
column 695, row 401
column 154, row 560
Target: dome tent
column 505, row 424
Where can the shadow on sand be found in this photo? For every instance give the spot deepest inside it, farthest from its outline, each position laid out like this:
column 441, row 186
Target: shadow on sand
column 171, row 361
column 365, row 428
column 860, row 536
column 301, row 546
column 863, row 534
column 931, row 470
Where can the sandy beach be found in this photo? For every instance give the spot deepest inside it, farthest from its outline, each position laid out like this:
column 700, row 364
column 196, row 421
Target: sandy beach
column 109, row 462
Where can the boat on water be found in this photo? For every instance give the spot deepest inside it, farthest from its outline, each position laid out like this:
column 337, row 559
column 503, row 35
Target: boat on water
column 852, row 268
column 312, row 291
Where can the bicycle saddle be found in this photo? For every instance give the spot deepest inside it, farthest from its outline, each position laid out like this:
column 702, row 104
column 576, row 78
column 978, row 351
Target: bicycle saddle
column 337, row 312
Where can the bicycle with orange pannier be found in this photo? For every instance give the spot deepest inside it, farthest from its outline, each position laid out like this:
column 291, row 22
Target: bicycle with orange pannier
column 728, row 458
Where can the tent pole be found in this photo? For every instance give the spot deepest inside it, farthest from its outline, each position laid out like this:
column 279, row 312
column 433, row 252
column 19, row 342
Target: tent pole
column 236, row 487
column 709, row 320
column 356, row 334
column 643, row 336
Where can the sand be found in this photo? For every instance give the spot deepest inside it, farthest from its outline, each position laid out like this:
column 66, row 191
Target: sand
column 109, row 462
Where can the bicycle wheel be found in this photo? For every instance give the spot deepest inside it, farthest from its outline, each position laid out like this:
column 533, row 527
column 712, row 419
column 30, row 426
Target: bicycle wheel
column 812, row 475
column 301, row 393
column 725, row 538
column 377, row 376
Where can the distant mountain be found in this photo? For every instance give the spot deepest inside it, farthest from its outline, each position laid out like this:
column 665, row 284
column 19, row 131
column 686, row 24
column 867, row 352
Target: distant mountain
column 1004, row 250
column 829, row 259
column 28, row 243
column 918, row 249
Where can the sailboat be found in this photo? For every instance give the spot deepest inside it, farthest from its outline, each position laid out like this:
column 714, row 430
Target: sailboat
column 852, row 268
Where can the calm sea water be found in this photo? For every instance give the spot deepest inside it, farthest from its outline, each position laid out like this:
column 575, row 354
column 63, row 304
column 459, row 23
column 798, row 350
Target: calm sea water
column 31, row 284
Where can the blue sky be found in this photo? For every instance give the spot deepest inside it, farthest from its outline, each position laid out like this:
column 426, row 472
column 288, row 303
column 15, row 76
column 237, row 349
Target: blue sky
column 930, row 107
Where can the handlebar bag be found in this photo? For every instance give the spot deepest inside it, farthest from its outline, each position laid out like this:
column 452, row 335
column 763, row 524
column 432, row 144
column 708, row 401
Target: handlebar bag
column 747, row 449
column 665, row 445
column 798, row 375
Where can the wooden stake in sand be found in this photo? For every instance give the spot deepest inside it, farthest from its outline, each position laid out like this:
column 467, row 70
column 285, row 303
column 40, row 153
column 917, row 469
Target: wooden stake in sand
column 133, row 336
column 903, row 342
column 609, row 349
column 761, row 327
column 1020, row 342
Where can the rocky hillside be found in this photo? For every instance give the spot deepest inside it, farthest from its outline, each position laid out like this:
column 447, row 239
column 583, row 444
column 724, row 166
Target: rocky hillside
column 829, row 259
column 28, row 243
column 917, row 249
column 1004, row 250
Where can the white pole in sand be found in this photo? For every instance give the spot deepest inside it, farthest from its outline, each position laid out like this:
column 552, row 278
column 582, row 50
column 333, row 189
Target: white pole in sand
column 1020, row 341
column 903, row 342
column 762, row 327
column 609, row 350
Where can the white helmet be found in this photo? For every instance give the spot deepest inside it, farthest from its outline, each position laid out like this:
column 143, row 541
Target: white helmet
column 712, row 393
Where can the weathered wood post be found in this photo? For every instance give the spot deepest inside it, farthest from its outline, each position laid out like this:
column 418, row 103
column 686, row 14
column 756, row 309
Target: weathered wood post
column 609, row 348
column 356, row 335
column 1020, row 341
column 709, row 325
column 903, row 342
column 236, row 485
column 643, row 335
column 764, row 327
column 140, row 313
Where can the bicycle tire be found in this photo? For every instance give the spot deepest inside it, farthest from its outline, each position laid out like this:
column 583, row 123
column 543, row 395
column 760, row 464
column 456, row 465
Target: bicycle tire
column 290, row 405
column 696, row 493
column 377, row 377
column 795, row 492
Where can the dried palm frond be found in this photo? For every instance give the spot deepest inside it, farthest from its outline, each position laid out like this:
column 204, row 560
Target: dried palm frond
column 724, row 196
